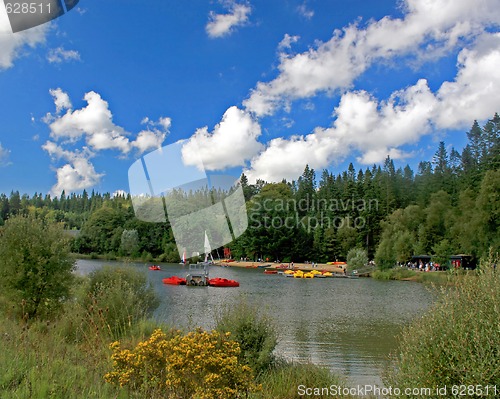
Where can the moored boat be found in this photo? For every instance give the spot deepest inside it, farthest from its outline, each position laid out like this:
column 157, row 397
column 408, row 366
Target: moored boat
column 174, row 280
column 298, row 274
column 222, row 282
column 267, row 271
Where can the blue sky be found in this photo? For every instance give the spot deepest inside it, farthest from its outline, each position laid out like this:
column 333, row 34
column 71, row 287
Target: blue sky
column 259, row 86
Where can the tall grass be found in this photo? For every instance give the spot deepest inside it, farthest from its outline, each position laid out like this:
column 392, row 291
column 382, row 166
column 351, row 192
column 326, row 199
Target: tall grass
column 284, row 379
column 458, row 341
column 68, row 356
column 37, row 362
column 393, row 274
column 399, row 273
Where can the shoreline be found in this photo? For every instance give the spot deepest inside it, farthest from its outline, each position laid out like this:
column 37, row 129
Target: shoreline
column 274, row 266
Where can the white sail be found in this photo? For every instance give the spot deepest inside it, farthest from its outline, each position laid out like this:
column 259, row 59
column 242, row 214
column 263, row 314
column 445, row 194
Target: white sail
column 208, row 250
column 207, row 244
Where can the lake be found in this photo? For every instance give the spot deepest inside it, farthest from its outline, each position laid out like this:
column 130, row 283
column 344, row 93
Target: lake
column 347, row 325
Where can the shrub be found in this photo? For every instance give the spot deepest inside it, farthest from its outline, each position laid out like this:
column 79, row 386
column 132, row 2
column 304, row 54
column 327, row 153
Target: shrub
column 458, row 341
column 199, row 364
column 255, row 334
column 356, row 259
column 118, row 297
column 35, row 266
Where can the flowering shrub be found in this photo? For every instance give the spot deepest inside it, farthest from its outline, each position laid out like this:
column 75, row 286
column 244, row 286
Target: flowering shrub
column 200, row 364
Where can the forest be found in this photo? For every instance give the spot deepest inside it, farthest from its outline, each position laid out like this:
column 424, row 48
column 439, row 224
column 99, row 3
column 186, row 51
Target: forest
column 450, row 205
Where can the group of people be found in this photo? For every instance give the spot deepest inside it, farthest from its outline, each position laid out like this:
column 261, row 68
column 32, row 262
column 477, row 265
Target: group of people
column 424, row 267
column 313, row 264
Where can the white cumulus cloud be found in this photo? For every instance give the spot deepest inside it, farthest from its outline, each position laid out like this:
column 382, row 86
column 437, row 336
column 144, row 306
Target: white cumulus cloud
column 59, row 55
column 375, row 129
column 61, row 100
column 287, row 41
column 93, row 124
column 428, row 27
column 475, row 92
column 76, row 175
column 305, row 12
column 231, row 143
column 223, row 24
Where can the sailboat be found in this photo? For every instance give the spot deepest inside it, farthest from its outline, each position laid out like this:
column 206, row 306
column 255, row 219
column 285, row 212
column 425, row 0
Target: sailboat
column 208, row 251
column 183, row 261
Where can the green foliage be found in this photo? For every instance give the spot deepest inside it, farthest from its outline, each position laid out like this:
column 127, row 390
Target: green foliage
column 254, row 332
column 397, row 273
column 347, row 238
column 170, row 254
column 392, row 211
column 442, row 252
column 404, row 246
column 35, row 267
column 116, row 298
column 282, row 381
column 458, row 340
column 356, row 259
column 102, row 232
column 129, row 242
column 385, row 257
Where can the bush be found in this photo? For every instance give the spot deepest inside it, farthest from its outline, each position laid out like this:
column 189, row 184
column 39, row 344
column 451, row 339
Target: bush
column 170, row 254
column 35, row 266
column 198, row 364
column 255, row 334
column 458, row 341
column 146, row 256
column 356, row 259
column 118, row 297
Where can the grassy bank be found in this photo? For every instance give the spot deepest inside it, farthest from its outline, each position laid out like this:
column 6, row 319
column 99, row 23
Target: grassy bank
column 439, row 278
column 68, row 355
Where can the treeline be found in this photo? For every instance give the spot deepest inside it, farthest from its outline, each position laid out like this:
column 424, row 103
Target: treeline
column 449, row 205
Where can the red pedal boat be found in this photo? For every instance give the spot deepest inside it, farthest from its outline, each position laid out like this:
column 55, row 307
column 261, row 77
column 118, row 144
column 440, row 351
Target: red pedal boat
column 222, row 282
column 154, row 267
column 174, row 280
column 270, row 272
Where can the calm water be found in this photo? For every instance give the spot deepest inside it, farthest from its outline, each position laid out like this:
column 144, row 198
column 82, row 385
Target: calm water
column 348, row 325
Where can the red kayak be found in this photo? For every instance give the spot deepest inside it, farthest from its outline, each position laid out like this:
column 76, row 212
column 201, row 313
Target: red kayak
column 154, row 267
column 222, row 282
column 174, row 280
column 270, row 272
